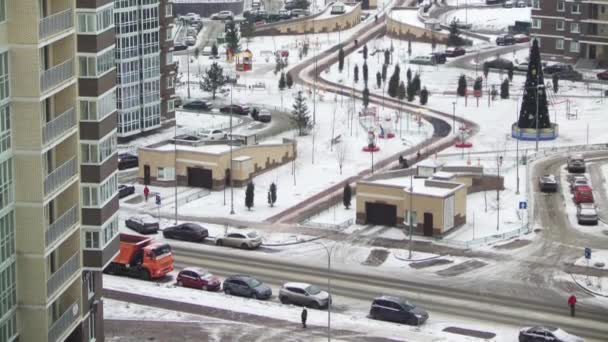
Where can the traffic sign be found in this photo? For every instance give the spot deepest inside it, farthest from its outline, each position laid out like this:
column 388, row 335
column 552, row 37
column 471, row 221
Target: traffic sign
column 587, row 253
column 523, row 205
column 157, row 199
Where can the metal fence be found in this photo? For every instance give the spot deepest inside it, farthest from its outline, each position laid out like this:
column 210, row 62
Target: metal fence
column 60, row 175
column 65, row 272
column 59, row 125
column 485, row 240
column 55, row 23
column 55, row 75
column 67, row 318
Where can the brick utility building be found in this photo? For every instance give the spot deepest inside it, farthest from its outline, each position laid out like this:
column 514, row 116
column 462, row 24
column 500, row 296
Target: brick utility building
column 573, row 31
column 144, row 64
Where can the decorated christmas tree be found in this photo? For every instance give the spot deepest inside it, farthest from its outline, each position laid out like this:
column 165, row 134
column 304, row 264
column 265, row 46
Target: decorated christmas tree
column 529, row 108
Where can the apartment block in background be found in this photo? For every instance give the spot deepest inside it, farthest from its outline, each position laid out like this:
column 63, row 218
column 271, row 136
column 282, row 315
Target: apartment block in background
column 168, row 68
column 572, row 31
column 97, row 115
column 141, row 42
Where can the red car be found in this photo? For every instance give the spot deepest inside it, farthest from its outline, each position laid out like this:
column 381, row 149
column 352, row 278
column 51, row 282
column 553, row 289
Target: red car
column 198, row 278
column 236, row 109
column 455, row 52
column 583, row 194
column 521, row 38
column 603, row 75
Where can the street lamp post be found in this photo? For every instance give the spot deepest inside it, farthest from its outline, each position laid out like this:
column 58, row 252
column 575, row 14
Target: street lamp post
column 411, row 216
column 498, row 163
column 231, row 140
column 188, row 70
column 453, row 117
column 329, row 250
column 539, row 87
column 175, row 164
column 517, row 149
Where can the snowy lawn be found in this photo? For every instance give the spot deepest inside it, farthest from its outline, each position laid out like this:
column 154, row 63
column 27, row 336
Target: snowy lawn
column 490, row 19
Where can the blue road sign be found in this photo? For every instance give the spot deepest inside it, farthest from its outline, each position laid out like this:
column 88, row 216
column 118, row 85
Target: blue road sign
column 523, row 205
column 157, row 199
column 587, row 253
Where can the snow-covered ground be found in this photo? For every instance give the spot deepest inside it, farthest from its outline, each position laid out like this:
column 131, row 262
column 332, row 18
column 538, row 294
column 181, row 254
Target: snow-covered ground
column 354, row 318
column 408, row 16
column 490, row 19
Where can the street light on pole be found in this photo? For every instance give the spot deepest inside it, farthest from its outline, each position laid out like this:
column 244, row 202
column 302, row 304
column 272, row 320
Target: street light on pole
column 411, row 216
column 175, row 163
column 453, row 117
column 539, row 88
column 231, row 140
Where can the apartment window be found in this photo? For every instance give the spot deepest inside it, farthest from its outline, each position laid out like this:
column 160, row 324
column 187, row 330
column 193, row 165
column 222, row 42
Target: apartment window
column 151, row 116
column 91, row 239
column 8, row 328
column 8, row 294
column 90, row 281
column 576, row 9
column 574, row 47
column 168, row 10
column 407, row 218
column 94, row 22
column 105, row 19
column 94, row 66
column 170, row 106
column 536, row 4
column 151, row 66
column 574, row 28
column 97, row 109
column 169, row 57
column 86, row 23
column 559, row 25
column 6, row 183
column 4, row 76
column 7, row 239
column 94, row 195
column 603, row 9
column 149, row 18
column 3, row 15
column 92, row 326
column 110, row 230
column 559, row 44
column 169, row 33
column 151, row 91
column 561, row 5
column 166, row 173
column 170, row 82
column 96, row 152
column 536, row 23
column 5, row 128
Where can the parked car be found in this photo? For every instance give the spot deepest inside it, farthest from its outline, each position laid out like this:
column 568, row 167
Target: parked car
column 127, row 161
column 586, row 213
column 197, row 104
column 546, row 334
column 423, row 60
column 198, row 278
column 186, row 231
column 395, row 309
column 290, row 4
column 576, row 164
column 520, row 4
column 499, row 63
column 523, row 66
column 304, row 294
column 180, row 47
column 548, row 183
column 177, row 101
column 521, row 38
column 222, row 15
column 577, row 183
column 189, row 41
column 212, row 134
column 583, row 194
column 455, row 52
column 264, row 116
column 557, row 68
column 236, row 109
column 505, row 40
column 241, row 239
column 125, row 190
column 143, row 224
column 246, row 286
column 440, row 57
column 284, row 14
column 507, row 4
column 570, row 75
column 603, row 75
column 298, row 12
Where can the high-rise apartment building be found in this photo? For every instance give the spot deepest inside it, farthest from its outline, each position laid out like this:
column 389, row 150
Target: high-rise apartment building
column 572, row 30
column 58, row 192
column 141, row 48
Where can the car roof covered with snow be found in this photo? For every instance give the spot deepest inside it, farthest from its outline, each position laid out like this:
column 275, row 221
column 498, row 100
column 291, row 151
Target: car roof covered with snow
column 302, row 286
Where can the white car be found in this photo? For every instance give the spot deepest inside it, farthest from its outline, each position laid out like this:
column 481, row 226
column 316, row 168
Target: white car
column 212, row 134
column 190, row 41
column 222, row 15
column 246, row 239
column 507, row 4
column 523, row 66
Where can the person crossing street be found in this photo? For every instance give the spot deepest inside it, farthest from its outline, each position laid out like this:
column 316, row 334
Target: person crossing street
column 572, row 304
column 304, row 317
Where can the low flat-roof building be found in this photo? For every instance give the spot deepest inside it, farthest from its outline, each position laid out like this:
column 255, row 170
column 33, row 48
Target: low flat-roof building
column 208, row 166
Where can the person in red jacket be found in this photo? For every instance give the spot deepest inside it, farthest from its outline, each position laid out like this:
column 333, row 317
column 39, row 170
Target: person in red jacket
column 572, row 303
column 146, row 192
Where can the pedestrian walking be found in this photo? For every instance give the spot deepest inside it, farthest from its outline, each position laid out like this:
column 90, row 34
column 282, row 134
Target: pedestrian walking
column 146, row 192
column 304, row 317
column 572, row 303
column 418, row 156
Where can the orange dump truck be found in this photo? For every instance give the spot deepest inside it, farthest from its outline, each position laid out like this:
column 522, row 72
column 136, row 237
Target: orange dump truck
column 141, row 257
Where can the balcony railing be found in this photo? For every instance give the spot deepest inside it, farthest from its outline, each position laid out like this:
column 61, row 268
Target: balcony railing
column 55, row 23
column 56, row 75
column 65, row 272
column 58, row 125
column 66, row 320
column 60, row 175
column 61, row 225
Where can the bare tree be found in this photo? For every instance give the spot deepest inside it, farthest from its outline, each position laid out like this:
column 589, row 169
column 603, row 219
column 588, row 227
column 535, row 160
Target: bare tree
column 341, row 152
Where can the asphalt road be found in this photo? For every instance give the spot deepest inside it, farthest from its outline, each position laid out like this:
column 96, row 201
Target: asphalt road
column 591, row 322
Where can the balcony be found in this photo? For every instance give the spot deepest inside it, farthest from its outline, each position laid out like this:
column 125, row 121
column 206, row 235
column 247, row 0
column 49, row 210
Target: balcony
column 62, row 326
column 60, row 175
column 55, row 23
column 61, row 225
column 56, row 75
column 58, row 126
column 65, row 272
